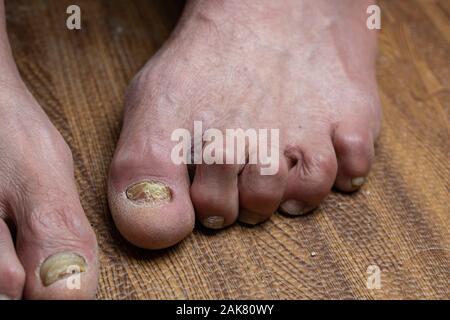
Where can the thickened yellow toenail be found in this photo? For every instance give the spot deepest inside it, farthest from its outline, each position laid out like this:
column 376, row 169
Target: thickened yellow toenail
column 358, row 182
column 214, row 222
column 249, row 217
column 149, row 192
column 60, row 266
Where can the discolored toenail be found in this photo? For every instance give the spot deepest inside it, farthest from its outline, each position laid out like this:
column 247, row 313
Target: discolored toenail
column 250, row 218
column 4, row 297
column 357, row 182
column 214, row 222
column 294, row 207
column 149, row 192
column 60, row 266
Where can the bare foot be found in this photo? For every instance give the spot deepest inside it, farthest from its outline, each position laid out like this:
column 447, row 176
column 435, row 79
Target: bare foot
column 304, row 67
column 55, row 255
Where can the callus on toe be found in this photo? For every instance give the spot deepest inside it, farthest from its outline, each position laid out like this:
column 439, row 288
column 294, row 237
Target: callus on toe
column 60, row 266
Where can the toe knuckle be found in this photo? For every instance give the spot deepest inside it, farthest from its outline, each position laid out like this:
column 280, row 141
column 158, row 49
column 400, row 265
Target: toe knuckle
column 14, row 275
column 354, row 142
column 322, row 169
column 198, row 197
column 323, row 164
column 204, row 198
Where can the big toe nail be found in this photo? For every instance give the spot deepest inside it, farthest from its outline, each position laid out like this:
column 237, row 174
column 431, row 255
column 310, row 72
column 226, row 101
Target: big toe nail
column 60, row 266
column 149, row 193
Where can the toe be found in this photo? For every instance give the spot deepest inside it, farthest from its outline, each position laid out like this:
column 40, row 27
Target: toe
column 260, row 195
column 215, row 195
column 58, row 251
column 149, row 194
column 12, row 275
column 55, row 243
column 311, row 177
column 355, row 152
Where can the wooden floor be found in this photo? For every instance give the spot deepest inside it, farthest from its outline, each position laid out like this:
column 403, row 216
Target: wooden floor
column 399, row 221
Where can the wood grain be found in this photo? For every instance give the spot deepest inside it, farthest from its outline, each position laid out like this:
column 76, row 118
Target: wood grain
column 399, row 221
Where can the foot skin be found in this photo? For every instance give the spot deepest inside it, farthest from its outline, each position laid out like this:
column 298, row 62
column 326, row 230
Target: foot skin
column 304, row 67
column 56, row 248
column 55, row 252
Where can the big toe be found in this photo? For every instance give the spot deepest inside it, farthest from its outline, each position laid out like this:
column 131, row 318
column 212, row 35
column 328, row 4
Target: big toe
column 55, row 242
column 148, row 193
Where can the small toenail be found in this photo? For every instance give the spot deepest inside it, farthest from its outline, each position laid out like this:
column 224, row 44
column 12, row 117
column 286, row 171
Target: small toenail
column 358, row 182
column 214, row 222
column 149, row 192
column 4, row 297
column 294, row 208
column 60, row 266
column 249, row 217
